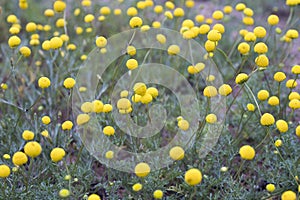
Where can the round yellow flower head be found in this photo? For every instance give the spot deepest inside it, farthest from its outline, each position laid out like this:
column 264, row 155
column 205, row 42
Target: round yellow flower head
column 298, row 131
column 44, row 82
column 46, row 120
column 294, row 95
column 176, row 153
column 146, row 98
column 135, row 22
column 288, row 195
column 131, row 50
column 64, row 193
column 263, row 95
column 108, row 130
column 170, row 5
column 56, row 43
column 124, row 94
column 273, row 20
column 14, row 41
column 267, row 119
column 161, row 38
column 260, row 48
column 250, row 37
column 101, row 42
column 225, row 90
column 278, row 143
column 105, row 10
column 247, row 152
column 123, row 104
column 132, row 11
column 291, row 83
column 249, row 21
column 152, row 91
column 204, row 29
column 240, row 6
column 6, row 156
column 158, row 194
column 4, row 171
column 136, row 98
column 292, row 34
column 132, row 64
column 12, row 19
column 69, row 83
column 218, row 15
column 193, row 176
column 59, row 6
column 282, row 126
column 248, row 12
column 137, row 187
column 173, row 50
column 214, row 35
column 279, row 76
column 178, row 12
column 273, row 101
column 294, row 104
column 270, row 187
column 250, row 107
column 82, row 119
column 296, row 69
column 87, row 107
column 292, row 2
column 244, row 48
column 183, row 124
column 49, row 13
column 210, row 91
column 32, row 149
column 97, row 106
column 94, row 197
column 27, row 135
column 19, row 158
column 142, row 169
column 109, row 155
column 227, row 9
column 107, row 108
column 211, row 118
column 140, row 88
column 67, row 125
column 45, row 133
column 25, row 51
column 219, row 27
column 241, row 78
column 117, row 11
column 57, row 154
column 89, row 18
column 260, row 32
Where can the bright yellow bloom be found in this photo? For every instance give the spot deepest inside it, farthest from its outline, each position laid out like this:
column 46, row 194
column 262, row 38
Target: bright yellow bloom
column 142, row 169
column 247, row 152
column 270, row 187
column 288, row 195
column 57, row 154
column 32, row 149
column 193, row 176
column 176, row 153
column 137, row 187
column 44, row 82
column 267, row 119
column 4, row 171
column 82, row 119
column 19, row 158
column 27, row 135
column 108, row 130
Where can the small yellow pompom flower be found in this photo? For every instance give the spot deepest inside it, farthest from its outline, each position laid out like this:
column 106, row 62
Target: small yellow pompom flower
column 152, row 91
column 82, row 119
column 137, row 187
column 278, row 143
column 89, row 18
column 211, row 118
column 108, row 130
column 32, row 149
column 97, row 106
column 14, row 41
column 267, row 119
column 140, row 88
column 131, row 50
column 64, row 193
column 263, row 95
column 27, row 135
column 135, row 22
column 294, row 104
column 210, row 91
column 59, row 6
column 132, row 64
column 291, row 83
column 87, row 107
column 69, row 83
column 183, row 124
column 247, row 152
column 250, row 107
column 270, row 187
column 176, row 153
column 214, row 35
column 248, row 12
column 282, row 126
column 109, row 155
column 132, row 11
column 12, row 19
column 218, row 15
column 123, row 104
column 45, row 133
column 49, row 13
column 178, row 12
column 6, row 156
column 173, row 50
column 260, row 48
column 101, row 42
column 44, row 82
column 292, row 2
column 240, row 6
column 142, row 169
column 46, row 120
column 227, row 9
column 158, row 194
column 146, row 98
column 260, row 32
column 161, row 38
column 4, row 171
column 67, row 125
column 56, row 43
column 273, row 101
column 241, row 78
column 94, row 197
column 244, row 48
column 273, row 20
column 262, row 60
column 19, row 158
column 203, row 29
column 250, row 37
column 57, row 154
column 107, row 108
column 225, row 90
column 25, row 51
column 297, row 132
column 296, row 69
column 288, row 195
column 279, row 76
column 193, row 176
column 210, row 46
column 294, row 95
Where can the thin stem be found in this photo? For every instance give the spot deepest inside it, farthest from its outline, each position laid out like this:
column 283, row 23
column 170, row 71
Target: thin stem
column 253, row 96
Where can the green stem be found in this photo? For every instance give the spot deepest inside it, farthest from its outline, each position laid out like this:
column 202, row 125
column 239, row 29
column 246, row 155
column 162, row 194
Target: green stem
column 253, row 96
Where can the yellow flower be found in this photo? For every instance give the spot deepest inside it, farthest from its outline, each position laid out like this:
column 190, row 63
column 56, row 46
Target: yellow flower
column 123, row 104
column 294, row 104
column 46, row 120
column 291, row 83
column 225, row 90
column 44, row 82
column 161, row 38
column 124, row 94
column 6, row 156
column 25, row 51
column 219, row 27
column 67, row 125
column 250, row 107
column 109, row 155
column 46, row 45
column 241, row 78
column 227, row 9
column 247, row 152
column 137, row 187
column 12, row 19
column 292, row 2
column 56, row 43
column 260, row 48
column 210, row 46
column 107, row 108
column 262, row 60
column 4, row 171
column 204, row 28
column 101, row 42
column 249, row 21
column 170, row 5
column 158, row 9
column 132, row 11
column 57, row 154
column 273, row 101
column 28, row 135
column 94, row 197
column 32, row 149
column 211, row 118
column 45, row 133
column 135, row 22
column 214, row 35
column 298, row 131
column 82, row 119
column 270, row 187
column 288, row 195
column 173, row 49
column 279, row 76
column 131, row 50
column 19, row 158
column 97, row 106
column 146, row 98
column 31, row 27
column 273, row 20
column 248, row 12
column 14, row 41
column 240, row 6
column 263, row 95
column 250, row 37
column 282, row 126
column 142, row 169
column 60, row 23
column 152, row 91
column 294, row 95
column 59, row 6
column 178, row 12
column 244, row 48
column 267, row 119
column 292, row 34
column 64, row 193
column 108, row 130
column 136, row 98
column 296, row 69
column 140, row 88
column 260, row 31
column 176, row 153
column 132, row 64
column 49, row 13
column 278, row 143
column 158, row 194
column 105, row 10
column 218, row 15
column 183, row 124
column 69, row 83
column 210, row 91
column 87, row 107
column 193, row 176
